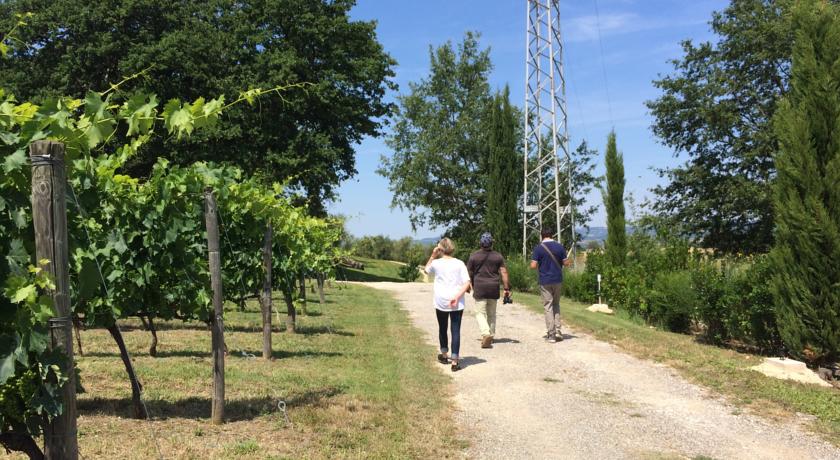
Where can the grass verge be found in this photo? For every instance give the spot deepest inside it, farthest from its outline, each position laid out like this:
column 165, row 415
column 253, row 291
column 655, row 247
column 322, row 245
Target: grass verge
column 727, row 372
column 357, row 381
column 375, row 270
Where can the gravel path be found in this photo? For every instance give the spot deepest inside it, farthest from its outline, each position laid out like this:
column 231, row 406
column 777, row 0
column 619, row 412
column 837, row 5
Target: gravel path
column 583, row 398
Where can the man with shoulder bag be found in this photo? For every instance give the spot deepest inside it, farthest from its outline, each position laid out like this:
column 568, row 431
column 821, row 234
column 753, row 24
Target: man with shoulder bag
column 549, row 258
column 486, row 268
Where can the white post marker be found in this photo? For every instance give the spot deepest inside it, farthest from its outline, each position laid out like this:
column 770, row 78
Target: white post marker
column 600, row 307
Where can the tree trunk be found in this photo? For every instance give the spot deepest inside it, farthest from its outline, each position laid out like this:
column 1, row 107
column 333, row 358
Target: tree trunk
column 290, row 315
column 136, row 387
column 21, row 442
column 76, row 327
column 302, row 295
column 320, row 280
column 153, row 330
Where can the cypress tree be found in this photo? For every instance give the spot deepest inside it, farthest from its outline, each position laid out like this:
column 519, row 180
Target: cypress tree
column 503, row 175
column 806, row 193
column 614, row 202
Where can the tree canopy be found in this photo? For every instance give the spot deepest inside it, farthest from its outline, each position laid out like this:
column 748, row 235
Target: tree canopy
column 439, row 141
column 191, row 48
column 806, row 193
column 717, row 108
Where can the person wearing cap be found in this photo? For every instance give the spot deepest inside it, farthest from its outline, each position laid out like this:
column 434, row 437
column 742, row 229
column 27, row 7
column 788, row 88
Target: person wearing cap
column 487, row 268
column 548, row 259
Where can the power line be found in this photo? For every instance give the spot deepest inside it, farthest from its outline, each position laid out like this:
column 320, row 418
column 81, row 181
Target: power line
column 603, row 65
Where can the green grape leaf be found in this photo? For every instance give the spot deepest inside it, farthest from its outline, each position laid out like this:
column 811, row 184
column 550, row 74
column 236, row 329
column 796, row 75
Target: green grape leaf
column 24, row 293
column 88, row 280
column 9, row 138
column 14, row 161
column 8, row 345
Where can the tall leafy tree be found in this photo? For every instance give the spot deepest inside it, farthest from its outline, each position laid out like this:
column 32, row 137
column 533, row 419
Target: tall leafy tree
column 614, row 202
column 504, row 175
column 439, row 141
column 197, row 47
column 806, row 194
column 716, row 108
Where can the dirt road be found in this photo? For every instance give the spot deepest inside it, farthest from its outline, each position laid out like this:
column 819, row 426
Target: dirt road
column 582, row 398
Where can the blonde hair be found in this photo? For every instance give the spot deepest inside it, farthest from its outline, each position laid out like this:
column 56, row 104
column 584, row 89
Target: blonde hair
column 447, row 246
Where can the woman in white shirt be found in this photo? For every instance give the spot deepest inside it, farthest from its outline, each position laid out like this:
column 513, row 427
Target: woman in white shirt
column 451, row 283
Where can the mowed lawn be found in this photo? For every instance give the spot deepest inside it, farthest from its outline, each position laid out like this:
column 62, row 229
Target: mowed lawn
column 725, row 371
column 375, row 270
column 357, row 380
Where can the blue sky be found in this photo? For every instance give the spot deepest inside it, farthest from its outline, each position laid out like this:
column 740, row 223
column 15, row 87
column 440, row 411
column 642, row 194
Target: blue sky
column 638, row 36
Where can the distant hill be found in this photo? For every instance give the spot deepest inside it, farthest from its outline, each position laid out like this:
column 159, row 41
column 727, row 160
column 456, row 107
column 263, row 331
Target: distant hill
column 431, row 241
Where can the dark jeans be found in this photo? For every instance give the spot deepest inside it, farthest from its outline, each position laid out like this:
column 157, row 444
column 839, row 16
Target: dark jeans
column 443, row 317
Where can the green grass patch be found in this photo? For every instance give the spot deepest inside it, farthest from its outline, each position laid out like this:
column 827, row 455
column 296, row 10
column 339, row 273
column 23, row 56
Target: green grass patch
column 358, row 381
column 375, row 270
column 725, row 371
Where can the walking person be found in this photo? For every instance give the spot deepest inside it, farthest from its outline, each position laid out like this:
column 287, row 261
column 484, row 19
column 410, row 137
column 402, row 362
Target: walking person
column 451, row 283
column 549, row 258
column 487, row 271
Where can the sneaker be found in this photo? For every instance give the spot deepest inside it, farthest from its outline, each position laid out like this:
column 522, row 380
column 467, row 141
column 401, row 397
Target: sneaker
column 487, row 341
column 559, row 337
column 551, row 339
column 443, row 359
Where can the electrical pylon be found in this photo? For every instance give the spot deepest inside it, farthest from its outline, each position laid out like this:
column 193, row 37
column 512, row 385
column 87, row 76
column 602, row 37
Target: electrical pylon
column 547, row 198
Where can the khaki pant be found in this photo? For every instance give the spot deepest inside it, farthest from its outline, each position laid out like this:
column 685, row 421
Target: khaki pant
column 485, row 314
column 550, row 294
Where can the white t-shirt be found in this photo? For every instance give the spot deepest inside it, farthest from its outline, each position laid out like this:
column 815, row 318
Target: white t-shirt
column 450, row 276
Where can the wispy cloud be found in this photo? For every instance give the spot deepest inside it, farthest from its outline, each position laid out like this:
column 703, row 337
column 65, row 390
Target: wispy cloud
column 585, row 28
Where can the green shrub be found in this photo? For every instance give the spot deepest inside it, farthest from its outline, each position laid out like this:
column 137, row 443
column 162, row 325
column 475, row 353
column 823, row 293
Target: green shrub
column 672, row 301
column 574, row 286
column 754, row 314
column 522, row 277
column 715, row 295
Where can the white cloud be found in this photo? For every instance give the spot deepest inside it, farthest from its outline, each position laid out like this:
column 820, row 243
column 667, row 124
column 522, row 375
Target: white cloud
column 585, row 28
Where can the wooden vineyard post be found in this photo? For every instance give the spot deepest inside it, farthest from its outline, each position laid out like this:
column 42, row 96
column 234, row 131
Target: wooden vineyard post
column 49, row 218
column 266, row 293
column 211, row 218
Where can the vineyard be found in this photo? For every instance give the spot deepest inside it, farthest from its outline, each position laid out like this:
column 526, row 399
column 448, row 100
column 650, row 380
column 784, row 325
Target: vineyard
column 133, row 248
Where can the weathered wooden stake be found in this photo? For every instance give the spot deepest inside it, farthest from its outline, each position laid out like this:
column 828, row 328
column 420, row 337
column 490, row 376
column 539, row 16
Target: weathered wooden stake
column 266, row 293
column 49, row 217
column 216, row 322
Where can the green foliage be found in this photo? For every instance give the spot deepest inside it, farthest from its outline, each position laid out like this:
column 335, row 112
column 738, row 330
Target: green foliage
column 671, row 301
column 135, row 247
column 504, row 181
column 614, row 202
column 522, row 278
column 188, row 49
column 717, row 108
column 806, row 195
column 437, row 171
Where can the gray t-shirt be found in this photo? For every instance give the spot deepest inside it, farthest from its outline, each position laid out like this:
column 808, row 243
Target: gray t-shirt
column 484, row 268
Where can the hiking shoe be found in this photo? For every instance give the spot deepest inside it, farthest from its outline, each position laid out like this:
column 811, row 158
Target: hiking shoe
column 487, row 341
column 443, row 359
column 551, row 339
column 456, row 367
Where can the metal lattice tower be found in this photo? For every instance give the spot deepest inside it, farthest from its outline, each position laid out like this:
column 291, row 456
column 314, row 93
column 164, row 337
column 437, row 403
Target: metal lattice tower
column 548, row 164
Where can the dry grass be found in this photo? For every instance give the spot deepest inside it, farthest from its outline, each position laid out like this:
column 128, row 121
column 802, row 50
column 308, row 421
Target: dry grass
column 357, row 380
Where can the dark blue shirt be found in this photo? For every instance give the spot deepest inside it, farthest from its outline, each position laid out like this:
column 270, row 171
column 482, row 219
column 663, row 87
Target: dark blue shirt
column 550, row 272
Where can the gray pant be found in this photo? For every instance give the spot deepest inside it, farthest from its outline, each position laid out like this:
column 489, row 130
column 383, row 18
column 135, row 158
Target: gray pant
column 550, row 294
